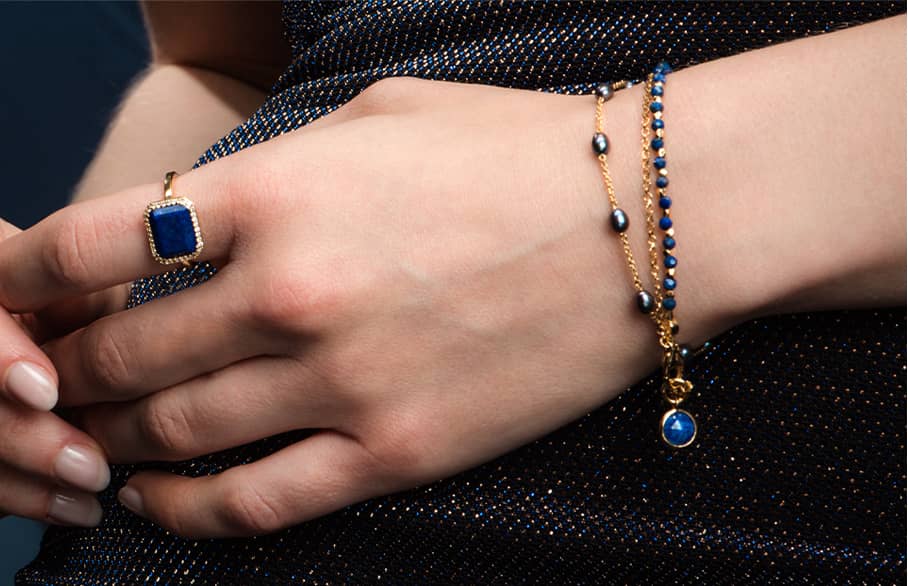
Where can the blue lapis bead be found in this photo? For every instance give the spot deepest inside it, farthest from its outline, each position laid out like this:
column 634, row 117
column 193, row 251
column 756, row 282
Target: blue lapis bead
column 670, row 262
column 669, row 283
column 655, row 107
column 669, row 303
column 662, row 181
column 657, row 124
column 665, row 202
column 665, row 222
column 656, row 143
column 657, row 90
column 659, row 76
column 678, row 428
column 659, row 162
column 663, row 67
column 668, row 243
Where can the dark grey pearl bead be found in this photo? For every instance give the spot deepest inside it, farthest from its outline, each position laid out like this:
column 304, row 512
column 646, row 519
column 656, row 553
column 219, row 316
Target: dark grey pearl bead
column 685, row 353
column 619, row 220
column 645, row 302
column 600, row 143
column 605, row 91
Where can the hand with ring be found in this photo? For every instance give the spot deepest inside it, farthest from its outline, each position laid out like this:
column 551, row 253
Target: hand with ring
column 395, row 276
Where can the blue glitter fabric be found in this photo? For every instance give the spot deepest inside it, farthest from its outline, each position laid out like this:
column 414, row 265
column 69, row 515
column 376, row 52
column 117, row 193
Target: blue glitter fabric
column 798, row 471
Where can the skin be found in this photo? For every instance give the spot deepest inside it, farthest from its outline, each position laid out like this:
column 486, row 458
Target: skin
column 425, row 276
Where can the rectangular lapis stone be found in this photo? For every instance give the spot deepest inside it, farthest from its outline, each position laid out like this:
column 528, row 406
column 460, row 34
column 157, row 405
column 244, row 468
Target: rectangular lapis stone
column 173, row 231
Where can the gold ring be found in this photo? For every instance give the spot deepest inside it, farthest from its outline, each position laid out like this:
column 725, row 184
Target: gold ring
column 172, row 226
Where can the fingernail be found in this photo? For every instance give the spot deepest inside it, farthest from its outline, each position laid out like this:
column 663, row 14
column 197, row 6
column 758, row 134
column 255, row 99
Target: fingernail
column 70, row 508
column 83, row 468
column 31, row 385
column 132, row 500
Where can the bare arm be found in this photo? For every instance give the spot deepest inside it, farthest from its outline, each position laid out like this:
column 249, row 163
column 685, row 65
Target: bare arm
column 211, row 64
column 787, row 168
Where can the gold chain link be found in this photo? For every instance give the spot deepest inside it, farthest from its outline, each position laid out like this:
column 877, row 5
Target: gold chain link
column 610, row 189
column 645, row 162
column 675, row 387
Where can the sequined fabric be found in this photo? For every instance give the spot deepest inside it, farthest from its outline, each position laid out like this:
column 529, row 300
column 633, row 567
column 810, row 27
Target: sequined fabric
column 798, row 471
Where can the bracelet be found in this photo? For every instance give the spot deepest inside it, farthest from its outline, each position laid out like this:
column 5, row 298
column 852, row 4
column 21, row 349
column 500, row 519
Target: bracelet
column 677, row 426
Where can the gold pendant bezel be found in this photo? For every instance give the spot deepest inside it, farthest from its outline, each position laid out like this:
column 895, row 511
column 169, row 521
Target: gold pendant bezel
column 662, row 428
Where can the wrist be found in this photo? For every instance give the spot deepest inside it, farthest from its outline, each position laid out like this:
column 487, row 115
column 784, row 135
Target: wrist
column 710, row 298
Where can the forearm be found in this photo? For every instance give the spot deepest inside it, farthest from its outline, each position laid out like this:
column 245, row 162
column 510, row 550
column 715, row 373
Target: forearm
column 787, row 166
column 167, row 119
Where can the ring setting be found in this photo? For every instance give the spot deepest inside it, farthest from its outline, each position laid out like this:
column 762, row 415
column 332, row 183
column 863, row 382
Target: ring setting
column 172, row 226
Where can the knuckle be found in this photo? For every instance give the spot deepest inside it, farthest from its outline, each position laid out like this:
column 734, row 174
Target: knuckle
column 399, row 453
column 252, row 187
column 247, row 511
column 166, row 430
column 169, row 513
column 67, row 255
column 107, row 359
column 287, row 303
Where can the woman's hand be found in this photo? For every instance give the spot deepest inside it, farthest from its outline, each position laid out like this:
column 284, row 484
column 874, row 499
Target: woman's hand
column 425, row 276
column 48, row 468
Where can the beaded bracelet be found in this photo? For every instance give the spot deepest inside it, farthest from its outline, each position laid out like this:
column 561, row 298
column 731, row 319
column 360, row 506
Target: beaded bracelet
column 678, row 427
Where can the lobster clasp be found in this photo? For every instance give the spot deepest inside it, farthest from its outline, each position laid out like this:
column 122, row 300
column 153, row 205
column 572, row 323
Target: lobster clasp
column 675, row 388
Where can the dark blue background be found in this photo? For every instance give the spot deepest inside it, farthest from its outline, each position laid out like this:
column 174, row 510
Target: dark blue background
column 64, row 67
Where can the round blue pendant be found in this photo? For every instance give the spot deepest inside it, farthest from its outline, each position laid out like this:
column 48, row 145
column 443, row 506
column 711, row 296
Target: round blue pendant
column 678, row 428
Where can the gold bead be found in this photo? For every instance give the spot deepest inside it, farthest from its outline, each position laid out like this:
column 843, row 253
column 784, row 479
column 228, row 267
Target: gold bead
column 661, row 152
column 663, row 171
column 660, row 132
column 657, row 115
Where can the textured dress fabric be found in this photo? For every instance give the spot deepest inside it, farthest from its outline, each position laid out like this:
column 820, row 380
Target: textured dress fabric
column 797, row 474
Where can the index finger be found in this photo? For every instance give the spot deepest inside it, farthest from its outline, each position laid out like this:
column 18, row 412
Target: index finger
column 92, row 245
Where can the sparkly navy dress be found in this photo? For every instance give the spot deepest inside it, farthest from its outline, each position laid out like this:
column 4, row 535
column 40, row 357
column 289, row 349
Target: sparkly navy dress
column 797, row 475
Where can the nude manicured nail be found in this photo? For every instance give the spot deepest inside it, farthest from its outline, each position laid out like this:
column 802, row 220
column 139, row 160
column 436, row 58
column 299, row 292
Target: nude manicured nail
column 31, row 385
column 83, row 468
column 132, row 500
column 70, row 508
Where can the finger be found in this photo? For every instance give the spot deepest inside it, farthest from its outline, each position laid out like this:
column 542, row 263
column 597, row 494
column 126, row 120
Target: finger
column 69, row 315
column 45, row 446
column 29, row 377
column 129, row 354
column 323, row 473
column 27, row 496
column 242, row 403
column 99, row 243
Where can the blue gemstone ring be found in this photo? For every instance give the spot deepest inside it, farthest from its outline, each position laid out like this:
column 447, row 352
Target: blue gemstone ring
column 172, row 226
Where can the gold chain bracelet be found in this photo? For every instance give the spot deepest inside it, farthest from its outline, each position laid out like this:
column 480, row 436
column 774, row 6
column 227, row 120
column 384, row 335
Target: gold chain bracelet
column 678, row 427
